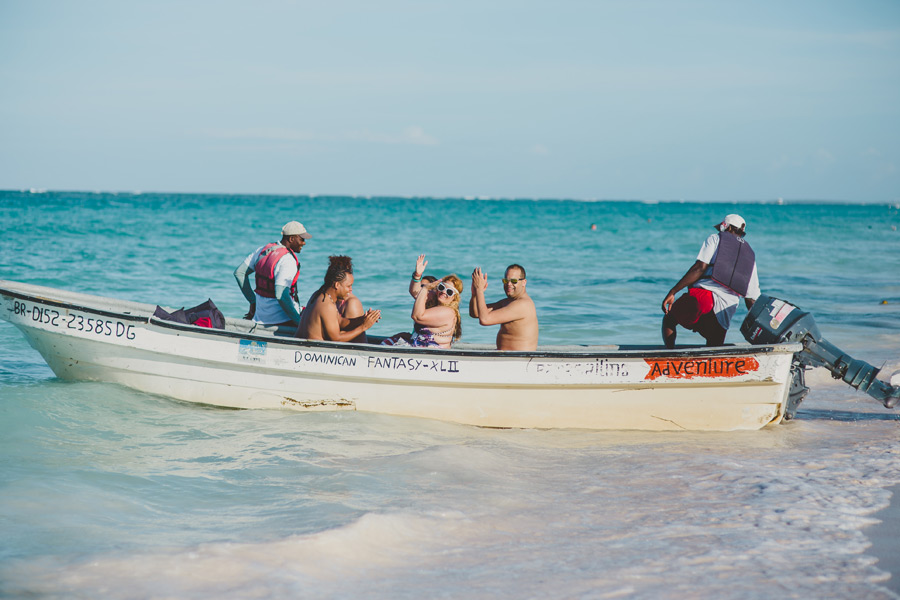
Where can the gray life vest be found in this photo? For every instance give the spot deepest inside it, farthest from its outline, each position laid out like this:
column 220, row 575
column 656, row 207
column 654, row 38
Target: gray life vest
column 734, row 263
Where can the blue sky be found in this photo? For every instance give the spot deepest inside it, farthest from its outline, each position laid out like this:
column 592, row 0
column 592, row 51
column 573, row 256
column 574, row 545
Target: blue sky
column 640, row 99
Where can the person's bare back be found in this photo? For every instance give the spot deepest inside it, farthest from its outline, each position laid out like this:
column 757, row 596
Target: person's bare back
column 320, row 309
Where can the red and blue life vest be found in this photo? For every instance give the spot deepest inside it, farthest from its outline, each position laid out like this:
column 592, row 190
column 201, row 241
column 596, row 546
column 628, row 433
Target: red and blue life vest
column 734, row 263
column 265, row 270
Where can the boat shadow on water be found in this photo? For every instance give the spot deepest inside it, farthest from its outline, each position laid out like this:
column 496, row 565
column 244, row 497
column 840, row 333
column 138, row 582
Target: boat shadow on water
column 847, row 416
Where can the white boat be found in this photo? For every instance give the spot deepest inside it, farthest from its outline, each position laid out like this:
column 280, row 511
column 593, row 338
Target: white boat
column 91, row 338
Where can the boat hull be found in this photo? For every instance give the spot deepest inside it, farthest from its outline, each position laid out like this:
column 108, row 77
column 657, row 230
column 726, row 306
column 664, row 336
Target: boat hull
column 89, row 338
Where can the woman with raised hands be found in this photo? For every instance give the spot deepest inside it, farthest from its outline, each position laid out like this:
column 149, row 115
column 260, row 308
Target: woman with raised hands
column 435, row 313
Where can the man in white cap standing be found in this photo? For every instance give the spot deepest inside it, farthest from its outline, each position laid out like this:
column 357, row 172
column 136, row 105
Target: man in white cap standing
column 724, row 272
column 276, row 266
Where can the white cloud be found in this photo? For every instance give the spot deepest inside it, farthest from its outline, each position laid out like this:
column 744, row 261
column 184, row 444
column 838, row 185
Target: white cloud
column 413, row 136
column 784, row 162
column 263, row 134
column 824, row 156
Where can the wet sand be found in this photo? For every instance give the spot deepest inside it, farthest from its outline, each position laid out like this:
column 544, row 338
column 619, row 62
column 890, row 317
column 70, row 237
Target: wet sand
column 885, row 539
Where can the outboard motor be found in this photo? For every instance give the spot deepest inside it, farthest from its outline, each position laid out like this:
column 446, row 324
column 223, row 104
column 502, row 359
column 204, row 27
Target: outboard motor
column 773, row 321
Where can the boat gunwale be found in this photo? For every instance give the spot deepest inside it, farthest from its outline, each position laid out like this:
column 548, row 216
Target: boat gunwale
column 651, row 351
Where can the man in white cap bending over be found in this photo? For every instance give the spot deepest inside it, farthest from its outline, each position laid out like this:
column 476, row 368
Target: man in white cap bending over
column 276, row 266
column 725, row 272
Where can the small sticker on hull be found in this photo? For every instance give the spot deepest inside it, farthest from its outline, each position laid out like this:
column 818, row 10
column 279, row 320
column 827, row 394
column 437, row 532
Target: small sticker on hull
column 252, row 351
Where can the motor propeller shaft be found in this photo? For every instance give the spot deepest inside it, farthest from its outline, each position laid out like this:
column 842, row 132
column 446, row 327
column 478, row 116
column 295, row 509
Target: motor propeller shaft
column 772, row 321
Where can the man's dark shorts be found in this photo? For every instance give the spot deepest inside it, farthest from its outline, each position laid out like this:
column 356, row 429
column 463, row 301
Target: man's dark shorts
column 694, row 311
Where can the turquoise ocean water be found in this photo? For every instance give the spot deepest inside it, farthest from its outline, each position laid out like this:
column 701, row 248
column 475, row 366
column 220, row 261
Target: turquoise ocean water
column 106, row 492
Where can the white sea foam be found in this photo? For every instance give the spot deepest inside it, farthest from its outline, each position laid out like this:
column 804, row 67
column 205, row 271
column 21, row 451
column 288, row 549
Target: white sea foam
column 550, row 514
column 348, row 556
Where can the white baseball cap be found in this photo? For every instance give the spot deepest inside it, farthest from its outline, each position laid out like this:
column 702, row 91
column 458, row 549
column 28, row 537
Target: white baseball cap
column 295, row 228
column 734, row 220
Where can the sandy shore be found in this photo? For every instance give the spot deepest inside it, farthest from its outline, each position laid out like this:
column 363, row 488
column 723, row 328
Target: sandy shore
column 885, row 539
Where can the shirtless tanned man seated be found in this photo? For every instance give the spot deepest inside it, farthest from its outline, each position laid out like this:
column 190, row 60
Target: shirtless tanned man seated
column 320, row 319
column 515, row 314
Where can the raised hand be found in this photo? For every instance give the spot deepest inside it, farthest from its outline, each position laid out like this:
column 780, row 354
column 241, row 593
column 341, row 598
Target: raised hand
column 479, row 280
column 421, row 263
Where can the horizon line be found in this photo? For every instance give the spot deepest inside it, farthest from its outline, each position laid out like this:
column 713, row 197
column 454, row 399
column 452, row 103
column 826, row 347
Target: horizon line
column 778, row 200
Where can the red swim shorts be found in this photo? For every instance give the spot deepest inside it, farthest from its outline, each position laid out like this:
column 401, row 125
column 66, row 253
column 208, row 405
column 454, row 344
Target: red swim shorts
column 688, row 309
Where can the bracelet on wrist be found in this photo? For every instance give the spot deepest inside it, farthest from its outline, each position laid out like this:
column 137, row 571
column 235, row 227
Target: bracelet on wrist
column 416, row 279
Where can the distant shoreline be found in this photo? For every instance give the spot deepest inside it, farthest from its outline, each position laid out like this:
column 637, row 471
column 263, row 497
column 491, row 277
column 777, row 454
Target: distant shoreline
column 769, row 201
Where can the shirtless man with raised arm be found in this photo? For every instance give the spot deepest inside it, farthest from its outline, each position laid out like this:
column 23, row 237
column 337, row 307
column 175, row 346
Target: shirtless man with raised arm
column 515, row 314
column 320, row 319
